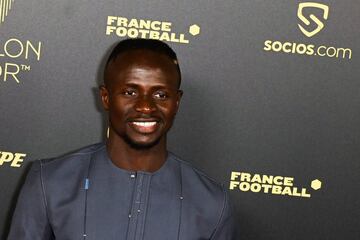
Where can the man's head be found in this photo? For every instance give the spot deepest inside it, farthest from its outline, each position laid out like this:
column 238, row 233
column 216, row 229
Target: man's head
column 142, row 44
column 141, row 91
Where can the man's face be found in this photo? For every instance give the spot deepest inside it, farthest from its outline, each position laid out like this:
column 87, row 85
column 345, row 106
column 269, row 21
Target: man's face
column 142, row 97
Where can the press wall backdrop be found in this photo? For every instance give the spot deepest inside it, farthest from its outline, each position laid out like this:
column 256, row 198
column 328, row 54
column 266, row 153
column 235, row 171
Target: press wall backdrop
column 271, row 105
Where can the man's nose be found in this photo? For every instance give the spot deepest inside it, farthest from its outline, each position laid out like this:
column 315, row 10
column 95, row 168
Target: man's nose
column 145, row 105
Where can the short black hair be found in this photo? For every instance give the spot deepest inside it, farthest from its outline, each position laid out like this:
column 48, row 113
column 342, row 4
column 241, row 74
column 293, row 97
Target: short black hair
column 146, row 44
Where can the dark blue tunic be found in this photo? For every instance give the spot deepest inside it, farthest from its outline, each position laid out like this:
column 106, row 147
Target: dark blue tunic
column 85, row 196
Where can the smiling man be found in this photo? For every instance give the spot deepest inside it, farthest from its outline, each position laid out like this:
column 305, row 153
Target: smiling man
column 130, row 187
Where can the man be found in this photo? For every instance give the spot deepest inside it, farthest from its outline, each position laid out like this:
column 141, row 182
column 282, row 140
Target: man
column 130, row 187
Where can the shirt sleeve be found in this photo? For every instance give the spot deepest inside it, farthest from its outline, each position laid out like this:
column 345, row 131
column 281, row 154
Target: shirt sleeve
column 30, row 220
column 225, row 229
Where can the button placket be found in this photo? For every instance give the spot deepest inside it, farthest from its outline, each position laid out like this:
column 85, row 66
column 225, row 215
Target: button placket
column 135, row 212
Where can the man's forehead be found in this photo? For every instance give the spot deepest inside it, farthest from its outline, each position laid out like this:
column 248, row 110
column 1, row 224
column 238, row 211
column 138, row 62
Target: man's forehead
column 141, row 60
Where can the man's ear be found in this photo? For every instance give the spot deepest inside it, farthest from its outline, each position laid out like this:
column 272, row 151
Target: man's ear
column 104, row 94
column 179, row 95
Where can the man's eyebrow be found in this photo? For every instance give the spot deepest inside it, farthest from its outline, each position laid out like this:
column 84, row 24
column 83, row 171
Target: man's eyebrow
column 154, row 88
column 134, row 85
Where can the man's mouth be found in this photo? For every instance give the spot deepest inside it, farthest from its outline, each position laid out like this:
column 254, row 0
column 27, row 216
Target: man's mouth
column 145, row 127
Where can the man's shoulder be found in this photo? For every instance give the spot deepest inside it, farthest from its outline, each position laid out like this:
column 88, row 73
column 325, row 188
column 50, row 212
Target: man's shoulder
column 198, row 180
column 72, row 160
column 201, row 192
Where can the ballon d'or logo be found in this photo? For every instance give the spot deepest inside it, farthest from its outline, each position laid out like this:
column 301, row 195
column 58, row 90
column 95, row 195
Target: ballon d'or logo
column 316, row 20
column 5, row 7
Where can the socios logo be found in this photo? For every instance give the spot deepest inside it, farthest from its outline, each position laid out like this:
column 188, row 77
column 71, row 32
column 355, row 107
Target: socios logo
column 310, row 25
column 315, row 19
column 5, row 7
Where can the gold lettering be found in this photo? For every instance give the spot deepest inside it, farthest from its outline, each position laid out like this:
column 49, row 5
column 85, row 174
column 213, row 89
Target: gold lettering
column 121, row 21
column 121, row 31
column 111, row 19
column 143, row 33
column 132, row 32
column 19, row 158
column 288, row 181
column 173, row 37
column 133, row 23
column 19, row 44
column 110, row 29
column 267, row 179
column 256, row 178
column 244, row 186
column 276, row 190
column 344, row 51
column 154, row 35
column 255, row 187
column 166, row 26
column 6, row 157
column 278, row 180
column 233, row 184
column 156, row 25
column 266, row 188
column 165, row 36
column 245, row 177
column 13, row 73
column 286, row 191
column 304, row 193
column 37, row 51
column 295, row 192
column 182, row 39
column 234, row 175
column 145, row 24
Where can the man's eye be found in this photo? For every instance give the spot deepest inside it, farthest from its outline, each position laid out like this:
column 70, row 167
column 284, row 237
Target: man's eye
column 160, row 95
column 129, row 92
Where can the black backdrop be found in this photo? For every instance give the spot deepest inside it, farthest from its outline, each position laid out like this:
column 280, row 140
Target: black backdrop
column 268, row 99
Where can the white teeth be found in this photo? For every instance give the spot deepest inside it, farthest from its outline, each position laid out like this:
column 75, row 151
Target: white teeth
column 144, row 124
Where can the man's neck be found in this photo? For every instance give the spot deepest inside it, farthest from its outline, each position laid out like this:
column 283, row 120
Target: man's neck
column 127, row 157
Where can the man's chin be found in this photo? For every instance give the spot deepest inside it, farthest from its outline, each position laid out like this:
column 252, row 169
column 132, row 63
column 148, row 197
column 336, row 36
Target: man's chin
column 141, row 145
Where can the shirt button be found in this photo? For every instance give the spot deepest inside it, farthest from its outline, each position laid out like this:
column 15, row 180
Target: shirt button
column 132, row 175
